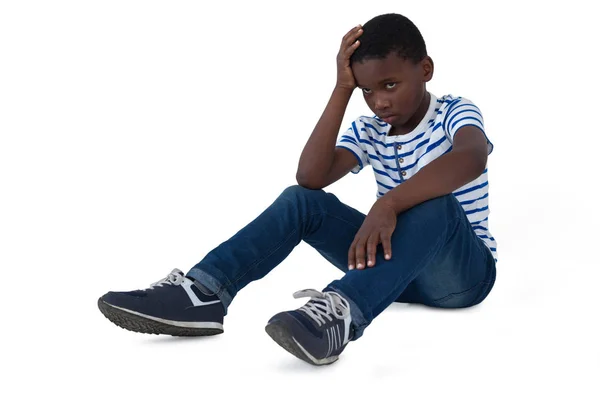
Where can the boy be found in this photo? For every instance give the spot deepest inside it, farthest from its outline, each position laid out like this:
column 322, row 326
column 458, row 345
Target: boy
column 425, row 240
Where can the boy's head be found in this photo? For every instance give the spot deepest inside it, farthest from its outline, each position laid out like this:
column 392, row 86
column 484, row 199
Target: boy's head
column 391, row 67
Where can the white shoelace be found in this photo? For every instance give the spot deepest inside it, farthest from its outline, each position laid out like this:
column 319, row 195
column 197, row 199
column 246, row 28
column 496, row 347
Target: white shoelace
column 323, row 305
column 174, row 278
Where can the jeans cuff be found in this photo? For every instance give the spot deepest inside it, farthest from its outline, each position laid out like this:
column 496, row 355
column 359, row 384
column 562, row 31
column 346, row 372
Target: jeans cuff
column 213, row 284
column 359, row 322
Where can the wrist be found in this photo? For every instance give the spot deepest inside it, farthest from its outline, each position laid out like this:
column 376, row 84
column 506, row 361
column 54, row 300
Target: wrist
column 343, row 88
column 387, row 201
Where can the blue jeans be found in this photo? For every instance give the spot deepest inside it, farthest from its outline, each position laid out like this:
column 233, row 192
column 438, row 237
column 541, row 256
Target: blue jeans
column 437, row 258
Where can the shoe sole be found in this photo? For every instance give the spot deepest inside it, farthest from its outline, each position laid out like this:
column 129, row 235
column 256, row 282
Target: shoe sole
column 283, row 337
column 136, row 323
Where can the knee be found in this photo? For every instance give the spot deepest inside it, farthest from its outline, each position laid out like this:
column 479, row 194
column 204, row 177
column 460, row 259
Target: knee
column 296, row 191
column 440, row 208
column 440, row 204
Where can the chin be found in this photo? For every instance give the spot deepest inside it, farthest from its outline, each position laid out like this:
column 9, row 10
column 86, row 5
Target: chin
column 400, row 122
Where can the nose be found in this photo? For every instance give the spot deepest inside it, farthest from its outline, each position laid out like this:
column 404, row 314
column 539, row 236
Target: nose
column 381, row 103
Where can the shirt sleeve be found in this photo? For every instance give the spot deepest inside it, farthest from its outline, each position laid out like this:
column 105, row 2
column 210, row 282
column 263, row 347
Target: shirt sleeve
column 462, row 112
column 351, row 140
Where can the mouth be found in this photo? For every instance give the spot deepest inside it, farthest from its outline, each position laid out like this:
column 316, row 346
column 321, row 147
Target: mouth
column 389, row 118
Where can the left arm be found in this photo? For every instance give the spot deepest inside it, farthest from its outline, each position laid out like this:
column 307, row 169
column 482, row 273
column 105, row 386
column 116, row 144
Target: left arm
column 445, row 174
column 463, row 164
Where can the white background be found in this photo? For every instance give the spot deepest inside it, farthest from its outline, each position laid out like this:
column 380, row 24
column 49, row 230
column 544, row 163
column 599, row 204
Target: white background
column 138, row 135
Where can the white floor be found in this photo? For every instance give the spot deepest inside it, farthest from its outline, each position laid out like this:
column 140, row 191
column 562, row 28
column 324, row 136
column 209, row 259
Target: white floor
column 519, row 343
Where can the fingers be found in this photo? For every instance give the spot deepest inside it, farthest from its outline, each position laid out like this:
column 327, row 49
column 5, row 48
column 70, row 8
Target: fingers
column 360, row 254
column 351, row 49
column 386, row 241
column 372, row 249
column 357, row 253
column 351, row 33
column 350, row 42
column 351, row 254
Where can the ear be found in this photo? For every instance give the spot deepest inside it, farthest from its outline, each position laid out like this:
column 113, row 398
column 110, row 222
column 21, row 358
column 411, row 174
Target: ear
column 427, row 65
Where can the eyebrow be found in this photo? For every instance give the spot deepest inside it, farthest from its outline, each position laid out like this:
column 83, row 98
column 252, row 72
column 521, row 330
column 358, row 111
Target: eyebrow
column 381, row 81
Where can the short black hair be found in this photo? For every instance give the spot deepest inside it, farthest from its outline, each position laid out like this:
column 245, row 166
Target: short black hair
column 390, row 33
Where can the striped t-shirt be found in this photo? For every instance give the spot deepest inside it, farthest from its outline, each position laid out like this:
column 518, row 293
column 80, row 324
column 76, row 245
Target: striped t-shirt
column 396, row 158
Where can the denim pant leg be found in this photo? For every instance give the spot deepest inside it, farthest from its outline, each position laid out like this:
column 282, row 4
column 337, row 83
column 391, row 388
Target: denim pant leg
column 314, row 216
column 437, row 260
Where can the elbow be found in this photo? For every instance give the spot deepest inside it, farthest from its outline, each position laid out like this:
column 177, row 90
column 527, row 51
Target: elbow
column 307, row 183
column 476, row 167
column 481, row 163
column 476, row 161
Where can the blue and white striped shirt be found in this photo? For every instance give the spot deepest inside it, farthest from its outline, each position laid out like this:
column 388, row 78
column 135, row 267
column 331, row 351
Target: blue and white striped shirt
column 397, row 158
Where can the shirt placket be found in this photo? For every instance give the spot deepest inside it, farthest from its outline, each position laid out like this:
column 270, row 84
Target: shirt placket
column 399, row 161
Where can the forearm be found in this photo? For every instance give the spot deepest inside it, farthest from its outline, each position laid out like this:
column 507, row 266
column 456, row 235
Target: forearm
column 440, row 177
column 318, row 153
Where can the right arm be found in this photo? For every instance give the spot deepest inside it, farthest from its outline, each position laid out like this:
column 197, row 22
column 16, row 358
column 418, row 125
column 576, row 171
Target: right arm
column 321, row 163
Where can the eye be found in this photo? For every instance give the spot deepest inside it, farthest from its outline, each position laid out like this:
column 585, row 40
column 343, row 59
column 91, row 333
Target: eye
column 366, row 91
column 391, row 83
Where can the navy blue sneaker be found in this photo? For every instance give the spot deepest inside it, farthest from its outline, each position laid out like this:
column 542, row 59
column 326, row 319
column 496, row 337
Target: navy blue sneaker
column 175, row 306
column 316, row 332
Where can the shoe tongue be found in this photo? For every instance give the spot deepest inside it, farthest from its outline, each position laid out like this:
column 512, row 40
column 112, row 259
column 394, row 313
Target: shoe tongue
column 319, row 301
column 322, row 304
column 177, row 271
column 331, row 309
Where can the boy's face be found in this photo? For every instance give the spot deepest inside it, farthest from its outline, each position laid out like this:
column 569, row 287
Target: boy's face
column 395, row 87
